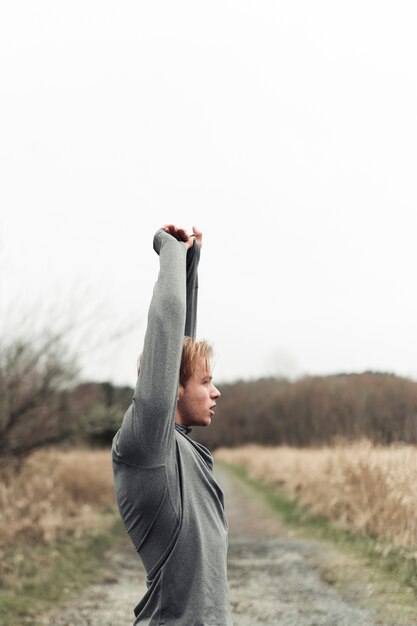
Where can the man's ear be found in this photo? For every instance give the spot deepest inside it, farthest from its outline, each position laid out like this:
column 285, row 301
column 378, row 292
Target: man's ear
column 180, row 393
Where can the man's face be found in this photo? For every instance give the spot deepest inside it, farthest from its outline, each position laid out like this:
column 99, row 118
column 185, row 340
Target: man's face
column 197, row 400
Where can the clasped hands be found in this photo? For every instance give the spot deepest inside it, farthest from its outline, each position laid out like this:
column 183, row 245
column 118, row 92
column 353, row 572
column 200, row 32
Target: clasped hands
column 181, row 234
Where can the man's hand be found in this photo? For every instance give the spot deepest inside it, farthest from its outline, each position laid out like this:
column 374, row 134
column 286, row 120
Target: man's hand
column 182, row 235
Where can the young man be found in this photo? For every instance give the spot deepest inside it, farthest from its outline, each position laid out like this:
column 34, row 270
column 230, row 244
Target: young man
column 169, row 501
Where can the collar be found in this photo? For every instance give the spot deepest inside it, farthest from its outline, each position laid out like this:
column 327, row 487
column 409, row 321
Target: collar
column 182, row 429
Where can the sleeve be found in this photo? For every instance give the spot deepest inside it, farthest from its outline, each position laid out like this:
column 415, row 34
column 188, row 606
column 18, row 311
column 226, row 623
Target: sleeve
column 193, row 259
column 147, row 432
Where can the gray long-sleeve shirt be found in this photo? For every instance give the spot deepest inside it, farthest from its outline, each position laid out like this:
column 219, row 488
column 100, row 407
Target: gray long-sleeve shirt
column 168, row 498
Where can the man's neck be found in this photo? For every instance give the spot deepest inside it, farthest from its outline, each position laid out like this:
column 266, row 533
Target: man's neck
column 182, row 428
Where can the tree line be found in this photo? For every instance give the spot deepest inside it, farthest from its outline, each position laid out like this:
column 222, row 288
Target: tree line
column 43, row 402
column 315, row 410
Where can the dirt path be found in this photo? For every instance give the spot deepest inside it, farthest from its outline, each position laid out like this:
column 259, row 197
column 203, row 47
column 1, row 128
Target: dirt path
column 274, row 578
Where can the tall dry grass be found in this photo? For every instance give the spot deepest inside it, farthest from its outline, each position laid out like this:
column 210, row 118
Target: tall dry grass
column 365, row 488
column 55, row 493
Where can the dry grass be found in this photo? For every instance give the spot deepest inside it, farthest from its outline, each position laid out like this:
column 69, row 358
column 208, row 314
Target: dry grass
column 365, row 488
column 54, row 494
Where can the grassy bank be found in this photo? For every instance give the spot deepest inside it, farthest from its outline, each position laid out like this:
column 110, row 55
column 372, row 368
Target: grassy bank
column 57, row 520
column 35, row 577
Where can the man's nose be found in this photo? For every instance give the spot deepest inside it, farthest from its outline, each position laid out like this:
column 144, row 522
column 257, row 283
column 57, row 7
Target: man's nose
column 215, row 392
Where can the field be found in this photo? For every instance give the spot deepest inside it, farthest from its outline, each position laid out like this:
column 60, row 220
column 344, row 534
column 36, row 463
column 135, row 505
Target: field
column 54, row 494
column 364, row 488
column 58, row 514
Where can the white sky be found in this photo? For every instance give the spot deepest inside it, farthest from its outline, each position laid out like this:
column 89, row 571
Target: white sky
column 286, row 131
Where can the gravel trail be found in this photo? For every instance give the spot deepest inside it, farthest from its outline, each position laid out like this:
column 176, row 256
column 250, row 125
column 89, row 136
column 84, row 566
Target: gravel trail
column 274, row 579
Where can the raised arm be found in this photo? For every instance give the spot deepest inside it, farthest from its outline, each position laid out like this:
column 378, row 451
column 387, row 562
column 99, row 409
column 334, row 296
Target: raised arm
column 147, row 432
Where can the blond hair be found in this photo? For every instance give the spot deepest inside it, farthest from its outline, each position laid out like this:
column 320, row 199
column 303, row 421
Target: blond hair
column 192, row 350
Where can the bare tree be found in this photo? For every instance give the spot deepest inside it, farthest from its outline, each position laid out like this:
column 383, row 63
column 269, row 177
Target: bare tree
column 35, row 375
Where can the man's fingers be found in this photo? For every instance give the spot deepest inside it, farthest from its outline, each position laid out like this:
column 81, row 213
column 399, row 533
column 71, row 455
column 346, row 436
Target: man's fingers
column 170, row 228
column 178, row 233
column 181, row 234
column 198, row 235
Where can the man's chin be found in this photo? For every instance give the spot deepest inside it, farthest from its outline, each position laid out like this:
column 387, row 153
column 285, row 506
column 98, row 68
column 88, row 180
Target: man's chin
column 206, row 421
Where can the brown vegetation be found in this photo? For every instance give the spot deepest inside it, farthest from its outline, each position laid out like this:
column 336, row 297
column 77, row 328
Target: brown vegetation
column 365, row 488
column 54, row 494
column 315, row 410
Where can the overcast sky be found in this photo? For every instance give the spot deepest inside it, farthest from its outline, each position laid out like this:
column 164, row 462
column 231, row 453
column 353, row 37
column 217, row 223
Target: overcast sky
column 286, row 131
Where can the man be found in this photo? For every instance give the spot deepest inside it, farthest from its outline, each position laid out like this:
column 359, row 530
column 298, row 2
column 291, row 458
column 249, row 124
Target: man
column 169, row 501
